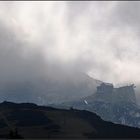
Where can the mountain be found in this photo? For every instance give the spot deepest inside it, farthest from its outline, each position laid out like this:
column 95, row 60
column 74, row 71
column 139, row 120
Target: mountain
column 117, row 105
column 27, row 120
column 47, row 90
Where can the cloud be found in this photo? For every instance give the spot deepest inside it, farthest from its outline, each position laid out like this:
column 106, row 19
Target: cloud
column 57, row 40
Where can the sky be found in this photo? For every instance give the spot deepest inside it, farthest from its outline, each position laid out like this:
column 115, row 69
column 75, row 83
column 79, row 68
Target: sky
column 57, row 39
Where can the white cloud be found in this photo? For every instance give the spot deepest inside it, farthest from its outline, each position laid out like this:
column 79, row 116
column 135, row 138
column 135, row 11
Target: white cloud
column 92, row 37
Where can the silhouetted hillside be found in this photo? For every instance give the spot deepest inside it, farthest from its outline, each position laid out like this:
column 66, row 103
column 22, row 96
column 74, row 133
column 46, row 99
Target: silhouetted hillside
column 31, row 121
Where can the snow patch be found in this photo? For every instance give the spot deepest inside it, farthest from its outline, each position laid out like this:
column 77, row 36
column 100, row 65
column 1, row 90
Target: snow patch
column 86, row 102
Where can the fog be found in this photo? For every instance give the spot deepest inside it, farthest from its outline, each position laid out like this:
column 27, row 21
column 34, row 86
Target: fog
column 58, row 40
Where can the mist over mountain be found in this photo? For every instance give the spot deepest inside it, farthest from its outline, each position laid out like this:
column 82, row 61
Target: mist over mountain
column 44, row 91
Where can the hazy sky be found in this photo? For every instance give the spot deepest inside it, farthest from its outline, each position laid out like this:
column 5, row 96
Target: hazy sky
column 101, row 39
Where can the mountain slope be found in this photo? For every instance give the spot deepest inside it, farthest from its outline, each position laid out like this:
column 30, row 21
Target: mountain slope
column 34, row 121
column 47, row 90
column 117, row 105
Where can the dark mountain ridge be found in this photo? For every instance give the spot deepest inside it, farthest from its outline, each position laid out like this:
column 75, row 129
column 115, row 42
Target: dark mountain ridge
column 33, row 121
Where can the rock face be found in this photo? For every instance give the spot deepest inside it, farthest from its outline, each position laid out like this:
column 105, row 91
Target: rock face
column 117, row 105
column 108, row 93
column 125, row 94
